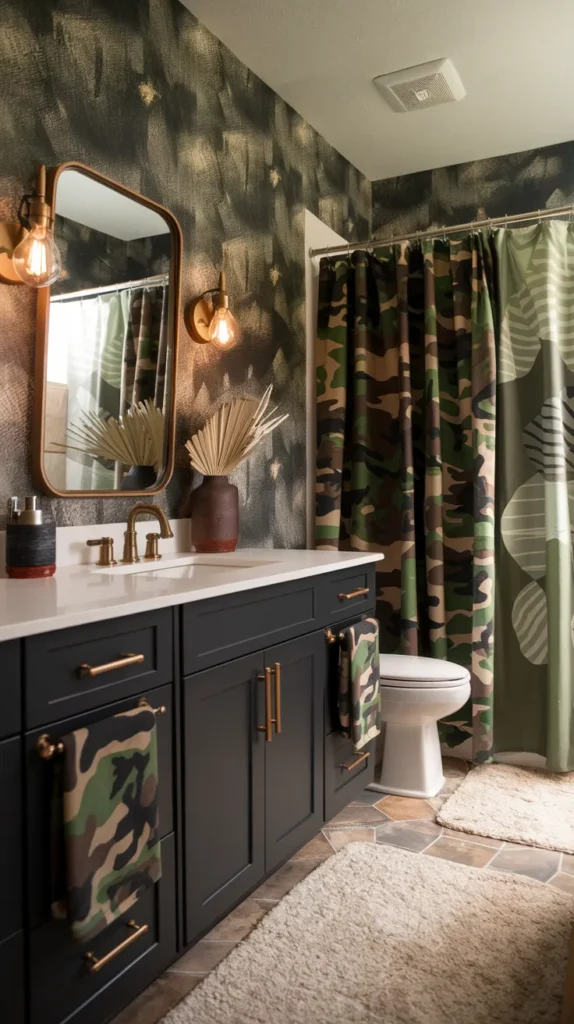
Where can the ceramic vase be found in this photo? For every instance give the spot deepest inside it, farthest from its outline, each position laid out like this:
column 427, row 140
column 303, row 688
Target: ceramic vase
column 214, row 515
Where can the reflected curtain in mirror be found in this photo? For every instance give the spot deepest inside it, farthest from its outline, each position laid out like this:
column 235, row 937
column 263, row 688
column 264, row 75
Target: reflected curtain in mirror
column 122, row 361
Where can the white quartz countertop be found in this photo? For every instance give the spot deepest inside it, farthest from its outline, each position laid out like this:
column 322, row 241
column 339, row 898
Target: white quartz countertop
column 76, row 596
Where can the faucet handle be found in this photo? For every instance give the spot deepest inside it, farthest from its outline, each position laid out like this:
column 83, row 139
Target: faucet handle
column 106, row 545
column 152, row 547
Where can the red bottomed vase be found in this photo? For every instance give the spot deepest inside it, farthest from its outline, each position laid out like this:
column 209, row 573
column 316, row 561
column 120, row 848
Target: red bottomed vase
column 214, row 516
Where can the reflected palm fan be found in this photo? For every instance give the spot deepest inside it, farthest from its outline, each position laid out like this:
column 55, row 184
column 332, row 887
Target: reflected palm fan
column 136, row 439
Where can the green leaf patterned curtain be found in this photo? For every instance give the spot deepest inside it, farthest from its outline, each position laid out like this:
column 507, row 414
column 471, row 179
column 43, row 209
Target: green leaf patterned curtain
column 534, row 661
column 406, row 419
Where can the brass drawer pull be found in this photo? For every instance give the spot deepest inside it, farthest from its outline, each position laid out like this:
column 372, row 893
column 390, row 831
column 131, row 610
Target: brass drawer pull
column 355, row 762
column 48, row 747
column 111, row 666
column 359, row 592
column 277, row 719
column 95, row 964
column 268, row 727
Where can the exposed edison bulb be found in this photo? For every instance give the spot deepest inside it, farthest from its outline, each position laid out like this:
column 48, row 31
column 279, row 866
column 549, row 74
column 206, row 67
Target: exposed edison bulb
column 36, row 258
column 224, row 330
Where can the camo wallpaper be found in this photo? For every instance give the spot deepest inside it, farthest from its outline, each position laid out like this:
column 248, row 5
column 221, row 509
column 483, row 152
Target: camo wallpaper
column 144, row 93
column 532, row 180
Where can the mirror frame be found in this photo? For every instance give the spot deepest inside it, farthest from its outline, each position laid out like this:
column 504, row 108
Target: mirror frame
column 41, row 350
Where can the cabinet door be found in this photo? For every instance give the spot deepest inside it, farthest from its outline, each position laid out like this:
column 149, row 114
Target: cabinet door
column 223, row 789
column 294, row 757
column 12, row 979
column 11, row 845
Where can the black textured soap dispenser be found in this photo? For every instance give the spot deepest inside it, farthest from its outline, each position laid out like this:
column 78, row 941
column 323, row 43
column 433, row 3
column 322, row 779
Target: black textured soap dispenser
column 30, row 542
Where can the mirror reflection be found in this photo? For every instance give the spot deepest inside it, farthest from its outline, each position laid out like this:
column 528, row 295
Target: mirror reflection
column 109, row 341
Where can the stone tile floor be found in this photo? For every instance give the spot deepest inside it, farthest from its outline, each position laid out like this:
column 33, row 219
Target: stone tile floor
column 374, row 818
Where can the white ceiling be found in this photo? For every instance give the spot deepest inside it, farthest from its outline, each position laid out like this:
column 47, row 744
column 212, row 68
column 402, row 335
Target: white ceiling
column 515, row 59
column 98, row 206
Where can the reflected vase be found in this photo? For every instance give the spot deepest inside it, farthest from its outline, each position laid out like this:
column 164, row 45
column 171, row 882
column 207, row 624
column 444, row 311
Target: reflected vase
column 139, row 478
column 215, row 516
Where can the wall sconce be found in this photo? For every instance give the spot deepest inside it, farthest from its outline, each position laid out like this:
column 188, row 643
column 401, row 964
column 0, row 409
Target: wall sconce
column 210, row 319
column 28, row 252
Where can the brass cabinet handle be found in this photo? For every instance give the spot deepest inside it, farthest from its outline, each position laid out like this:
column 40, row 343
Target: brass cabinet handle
column 48, row 747
column 268, row 727
column 123, row 662
column 95, row 964
column 354, row 593
column 354, row 762
column 277, row 719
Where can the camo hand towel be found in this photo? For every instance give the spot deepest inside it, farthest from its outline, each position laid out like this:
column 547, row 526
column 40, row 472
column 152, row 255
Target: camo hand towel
column 111, row 821
column 359, row 682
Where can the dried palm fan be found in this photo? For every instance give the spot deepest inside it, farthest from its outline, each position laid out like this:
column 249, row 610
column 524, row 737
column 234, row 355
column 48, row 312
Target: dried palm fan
column 135, row 439
column 231, row 433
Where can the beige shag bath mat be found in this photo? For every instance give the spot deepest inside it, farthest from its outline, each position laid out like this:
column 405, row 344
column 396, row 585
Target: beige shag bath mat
column 382, row 936
column 520, row 805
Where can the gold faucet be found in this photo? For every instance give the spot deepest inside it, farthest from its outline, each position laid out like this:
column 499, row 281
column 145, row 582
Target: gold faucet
column 131, row 542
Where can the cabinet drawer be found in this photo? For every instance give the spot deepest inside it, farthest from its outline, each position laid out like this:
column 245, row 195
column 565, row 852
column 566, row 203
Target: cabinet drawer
column 95, row 997
column 218, row 630
column 342, row 784
column 10, row 664
column 341, row 595
column 12, row 980
column 11, row 797
column 77, row 669
column 39, row 785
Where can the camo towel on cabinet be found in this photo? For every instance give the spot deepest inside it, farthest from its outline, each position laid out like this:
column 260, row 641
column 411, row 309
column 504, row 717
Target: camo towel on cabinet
column 359, row 698
column 406, row 372
column 109, row 799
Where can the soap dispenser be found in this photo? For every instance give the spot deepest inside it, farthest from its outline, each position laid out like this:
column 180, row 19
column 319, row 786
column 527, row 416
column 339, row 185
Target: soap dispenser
column 30, row 542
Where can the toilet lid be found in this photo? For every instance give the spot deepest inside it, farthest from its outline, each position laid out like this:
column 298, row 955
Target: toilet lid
column 408, row 670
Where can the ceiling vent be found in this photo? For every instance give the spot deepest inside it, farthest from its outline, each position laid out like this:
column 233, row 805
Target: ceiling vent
column 425, row 85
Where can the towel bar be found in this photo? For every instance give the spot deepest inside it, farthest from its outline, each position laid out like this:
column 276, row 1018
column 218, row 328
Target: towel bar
column 48, row 747
column 161, row 710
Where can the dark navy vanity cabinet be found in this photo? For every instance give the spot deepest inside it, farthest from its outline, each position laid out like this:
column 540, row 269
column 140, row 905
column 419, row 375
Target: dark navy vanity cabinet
column 251, row 764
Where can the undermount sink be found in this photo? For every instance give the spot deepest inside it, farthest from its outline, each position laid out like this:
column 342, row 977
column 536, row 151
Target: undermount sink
column 187, row 566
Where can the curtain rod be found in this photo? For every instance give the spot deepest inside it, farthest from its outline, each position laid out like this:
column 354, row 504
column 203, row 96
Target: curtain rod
column 473, row 225
column 158, row 279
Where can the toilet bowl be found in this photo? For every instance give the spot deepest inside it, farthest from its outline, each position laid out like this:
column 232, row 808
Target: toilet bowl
column 415, row 694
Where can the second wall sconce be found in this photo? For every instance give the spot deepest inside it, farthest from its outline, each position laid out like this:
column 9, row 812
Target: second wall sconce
column 210, row 318
column 28, row 252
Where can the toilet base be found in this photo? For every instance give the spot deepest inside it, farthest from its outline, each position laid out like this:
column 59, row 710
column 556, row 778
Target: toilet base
column 412, row 760
column 376, row 787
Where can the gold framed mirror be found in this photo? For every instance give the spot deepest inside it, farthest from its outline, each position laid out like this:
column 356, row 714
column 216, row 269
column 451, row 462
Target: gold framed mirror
column 106, row 341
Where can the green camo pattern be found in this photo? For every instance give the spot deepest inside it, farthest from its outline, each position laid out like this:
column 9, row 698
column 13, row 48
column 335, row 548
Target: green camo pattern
column 110, row 810
column 359, row 696
column 406, row 372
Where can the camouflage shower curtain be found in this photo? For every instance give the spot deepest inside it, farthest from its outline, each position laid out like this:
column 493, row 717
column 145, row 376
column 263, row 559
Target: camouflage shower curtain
column 406, row 421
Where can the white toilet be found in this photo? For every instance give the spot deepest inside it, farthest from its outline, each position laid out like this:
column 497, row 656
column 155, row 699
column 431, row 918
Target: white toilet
column 415, row 694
